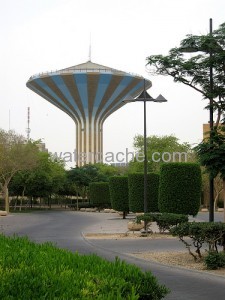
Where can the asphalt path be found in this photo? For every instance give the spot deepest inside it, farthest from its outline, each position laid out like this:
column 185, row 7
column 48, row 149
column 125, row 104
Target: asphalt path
column 65, row 229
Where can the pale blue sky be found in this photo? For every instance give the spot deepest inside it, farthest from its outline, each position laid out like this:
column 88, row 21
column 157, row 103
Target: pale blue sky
column 43, row 35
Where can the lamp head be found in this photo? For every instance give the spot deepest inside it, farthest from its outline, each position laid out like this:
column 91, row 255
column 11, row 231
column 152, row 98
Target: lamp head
column 160, row 99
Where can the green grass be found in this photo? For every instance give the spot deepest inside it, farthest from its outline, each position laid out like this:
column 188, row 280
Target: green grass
column 42, row 271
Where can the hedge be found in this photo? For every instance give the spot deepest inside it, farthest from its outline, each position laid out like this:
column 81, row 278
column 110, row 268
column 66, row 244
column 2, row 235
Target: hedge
column 136, row 192
column 118, row 188
column 180, row 188
column 99, row 194
column 42, row 271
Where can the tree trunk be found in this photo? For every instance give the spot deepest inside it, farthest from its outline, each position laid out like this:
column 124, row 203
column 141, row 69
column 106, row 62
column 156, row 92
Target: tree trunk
column 21, row 200
column 6, row 196
column 77, row 202
column 224, row 200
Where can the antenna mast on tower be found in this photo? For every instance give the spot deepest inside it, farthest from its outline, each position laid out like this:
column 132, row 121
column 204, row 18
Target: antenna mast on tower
column 28, row 124
column 90, row 49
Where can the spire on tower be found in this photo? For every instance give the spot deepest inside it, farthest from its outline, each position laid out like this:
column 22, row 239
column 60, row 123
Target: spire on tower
column 90, row 49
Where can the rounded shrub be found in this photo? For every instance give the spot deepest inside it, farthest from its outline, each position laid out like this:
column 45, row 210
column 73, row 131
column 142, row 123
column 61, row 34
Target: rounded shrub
column 118, row 188
column 214, row 260
column 99, row 194
column 136, row 192
column 180, row 188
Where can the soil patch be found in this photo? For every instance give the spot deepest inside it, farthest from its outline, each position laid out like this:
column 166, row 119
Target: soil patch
column 176, row 258
column 180, row 259
column 128, row 235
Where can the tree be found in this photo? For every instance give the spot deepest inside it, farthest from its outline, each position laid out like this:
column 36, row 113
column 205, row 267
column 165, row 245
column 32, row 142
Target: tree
column 45, row 179
column 211, row 154
column 81, row 177
column 15, row 155
column 107, row 170
column 194, row 71
column 159, row 147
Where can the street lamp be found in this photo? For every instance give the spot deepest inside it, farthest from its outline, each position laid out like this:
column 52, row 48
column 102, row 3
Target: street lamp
column 190, row 48
column 145, row 97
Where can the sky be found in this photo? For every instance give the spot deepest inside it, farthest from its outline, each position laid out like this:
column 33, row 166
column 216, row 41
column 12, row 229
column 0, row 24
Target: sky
column 44, row 35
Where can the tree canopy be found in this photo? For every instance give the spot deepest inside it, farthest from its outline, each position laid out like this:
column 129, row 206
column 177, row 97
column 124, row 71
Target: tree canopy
column 211, row 154
column 194, row 71
column 16, row 154
column 156, row 147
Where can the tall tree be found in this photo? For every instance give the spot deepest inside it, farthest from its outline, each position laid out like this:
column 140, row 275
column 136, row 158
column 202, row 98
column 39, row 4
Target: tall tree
column 212, row 155
column 194, row 71
column 159, row 148
column 47, row 178
column 15, row 155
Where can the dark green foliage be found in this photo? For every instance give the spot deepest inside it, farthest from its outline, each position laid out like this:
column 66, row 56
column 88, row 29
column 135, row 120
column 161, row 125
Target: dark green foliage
column 197, row 233
column 81, row 205
column 193, row 70
column 118, row 187
column 211, row 153
column 42, row 271
column 153, row 192
column 136, row 192
column 99, row 194
column 165, row 221
column 180, row 188
column 214, row 260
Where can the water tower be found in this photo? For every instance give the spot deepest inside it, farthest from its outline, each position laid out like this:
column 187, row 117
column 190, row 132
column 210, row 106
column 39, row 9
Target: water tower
column 88, row 93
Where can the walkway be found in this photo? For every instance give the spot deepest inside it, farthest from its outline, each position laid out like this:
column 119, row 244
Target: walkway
column 66, row 228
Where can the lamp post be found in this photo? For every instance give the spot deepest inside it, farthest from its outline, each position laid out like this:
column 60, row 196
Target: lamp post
column 211, row 123
column 145, row 97
column 190, row 49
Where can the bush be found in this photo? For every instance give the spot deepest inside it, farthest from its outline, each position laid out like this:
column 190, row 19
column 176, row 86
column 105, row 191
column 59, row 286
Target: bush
column 118, row 188
column 42, row 271
column 99, row 194
column 81, row 205
column 165, row 221
column 214, row 260
column 195, row 234
column 180, row 188
column 136, row 192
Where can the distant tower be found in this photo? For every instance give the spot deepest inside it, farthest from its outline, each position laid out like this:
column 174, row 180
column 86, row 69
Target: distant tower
column 28, row 124
column 88, row 93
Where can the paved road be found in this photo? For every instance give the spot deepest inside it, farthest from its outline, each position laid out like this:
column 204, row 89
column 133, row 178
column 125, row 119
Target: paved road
column 65, row 230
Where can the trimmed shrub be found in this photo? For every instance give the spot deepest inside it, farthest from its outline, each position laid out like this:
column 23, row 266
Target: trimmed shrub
column 42, row 271
column 214, row 260
column 118, row 188
column 99, row 194
column 153, row 192
column 180, row 188
column 195, row 234
column 136, row 192
column 165, row 221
